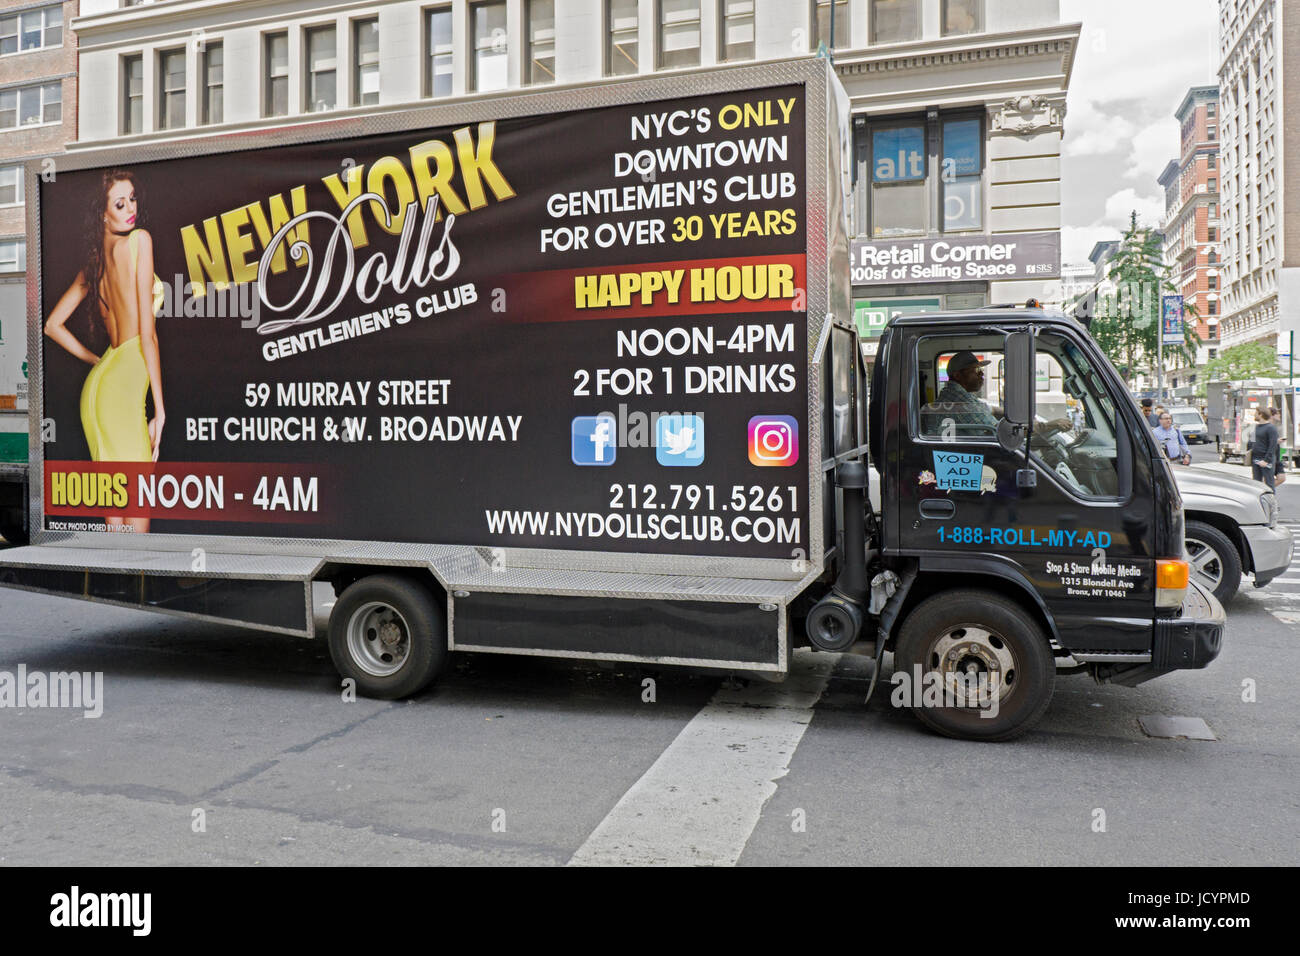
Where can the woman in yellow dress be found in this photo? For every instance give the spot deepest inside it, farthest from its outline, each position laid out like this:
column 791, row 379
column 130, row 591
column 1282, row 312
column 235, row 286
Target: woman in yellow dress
column 119, row 271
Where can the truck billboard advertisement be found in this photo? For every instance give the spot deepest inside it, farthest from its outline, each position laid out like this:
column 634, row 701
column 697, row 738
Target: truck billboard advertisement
column 581, row 330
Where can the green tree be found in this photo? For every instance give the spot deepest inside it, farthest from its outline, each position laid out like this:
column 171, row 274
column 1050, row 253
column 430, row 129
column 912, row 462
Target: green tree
column 1248, row 360
column 1126, row 324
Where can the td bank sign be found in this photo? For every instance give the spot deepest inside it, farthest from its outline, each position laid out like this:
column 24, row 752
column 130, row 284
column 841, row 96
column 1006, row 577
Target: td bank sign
column 1021, row 255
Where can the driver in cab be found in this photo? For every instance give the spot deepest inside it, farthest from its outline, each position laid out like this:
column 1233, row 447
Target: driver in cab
column 965, row 379
column 960, row 401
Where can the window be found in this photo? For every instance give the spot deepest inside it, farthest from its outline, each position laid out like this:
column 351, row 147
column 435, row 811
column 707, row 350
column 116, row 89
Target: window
column 1212, row 132
column 1213, row 161
column 963, row 203
column 213, row 83
column 736, row 32
column 1211, row 109
column 953, row 409
column 365, row 68
column 961, row 16
column 322, row 69
column 491, row 59
column 276, row 74
column 13, row 255
column 1214, row 282
column 32, row 30
column 822, row 23
column 1212, row 185
column 679, row 33
column 894, row 21
column 1214, row 308
column 11, row 185
column 438, row 82
column 31, row 105
column 898, row 178
column 1214, row 353
column 540, row 58
column 171, row 89
column 132, row 94
column 1214, row 234
column 622, row 30
column 1084, row 456
column 1213, row 210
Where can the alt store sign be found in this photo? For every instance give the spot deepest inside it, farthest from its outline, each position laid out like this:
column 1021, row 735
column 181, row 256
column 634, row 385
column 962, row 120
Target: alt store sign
column 1023, row 255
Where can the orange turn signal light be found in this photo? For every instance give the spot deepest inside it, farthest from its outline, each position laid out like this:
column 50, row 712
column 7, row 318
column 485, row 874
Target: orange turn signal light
column 1172, row 574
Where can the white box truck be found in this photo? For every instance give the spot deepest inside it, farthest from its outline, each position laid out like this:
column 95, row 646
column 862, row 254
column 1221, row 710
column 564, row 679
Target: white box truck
column 572, row 373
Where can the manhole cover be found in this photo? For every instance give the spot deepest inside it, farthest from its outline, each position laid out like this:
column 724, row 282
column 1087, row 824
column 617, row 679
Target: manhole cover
column 1193, row 728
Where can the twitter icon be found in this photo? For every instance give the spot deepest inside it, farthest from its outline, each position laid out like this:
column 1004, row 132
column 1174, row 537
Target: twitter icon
column 679, row 440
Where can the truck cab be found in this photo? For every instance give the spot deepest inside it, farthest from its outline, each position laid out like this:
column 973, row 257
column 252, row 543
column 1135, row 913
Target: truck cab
column 1010, row 543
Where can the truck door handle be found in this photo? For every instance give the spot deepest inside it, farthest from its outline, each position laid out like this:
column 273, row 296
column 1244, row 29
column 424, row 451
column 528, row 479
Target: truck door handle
column 938, row 508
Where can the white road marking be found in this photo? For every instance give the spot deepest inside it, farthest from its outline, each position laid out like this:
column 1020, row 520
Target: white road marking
column 700, row 801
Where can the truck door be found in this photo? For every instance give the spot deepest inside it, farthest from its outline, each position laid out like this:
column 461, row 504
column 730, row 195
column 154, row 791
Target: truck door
column 1074, row 520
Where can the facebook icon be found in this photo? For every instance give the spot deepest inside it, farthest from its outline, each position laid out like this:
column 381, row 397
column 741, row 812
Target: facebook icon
column 593, row 440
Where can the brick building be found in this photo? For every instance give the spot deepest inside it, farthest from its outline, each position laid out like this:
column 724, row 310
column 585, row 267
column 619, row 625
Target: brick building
column 1191, row 224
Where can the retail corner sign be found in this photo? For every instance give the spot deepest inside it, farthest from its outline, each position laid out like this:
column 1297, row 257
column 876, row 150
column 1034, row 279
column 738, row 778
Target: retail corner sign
column 1021, row 255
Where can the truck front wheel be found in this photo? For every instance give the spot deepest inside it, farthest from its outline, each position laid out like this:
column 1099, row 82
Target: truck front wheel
column 387, row 634
column 977, row 666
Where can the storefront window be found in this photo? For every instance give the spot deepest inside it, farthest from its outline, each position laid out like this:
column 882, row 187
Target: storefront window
column 898, row 174
column 963, row 204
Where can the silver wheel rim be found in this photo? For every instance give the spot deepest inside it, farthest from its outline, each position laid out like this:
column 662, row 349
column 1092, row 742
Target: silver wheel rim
column 974, row 663
column 1207, row 567
column 379, row 640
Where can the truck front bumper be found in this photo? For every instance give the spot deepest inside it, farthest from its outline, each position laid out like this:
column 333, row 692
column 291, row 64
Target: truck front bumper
column 1186, row 642
column 1270, row 550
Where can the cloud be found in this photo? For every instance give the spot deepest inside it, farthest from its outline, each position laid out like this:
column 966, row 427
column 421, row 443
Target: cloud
column 1136, row 60
column 1120, row 205
column 1077, row 241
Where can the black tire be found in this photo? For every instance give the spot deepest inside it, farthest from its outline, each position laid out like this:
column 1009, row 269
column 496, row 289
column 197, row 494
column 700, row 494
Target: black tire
column 394, row 616
column 1223, row 576
column 1009, row 631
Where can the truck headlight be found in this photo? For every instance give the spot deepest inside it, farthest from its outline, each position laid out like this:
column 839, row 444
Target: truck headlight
column 1269, row 501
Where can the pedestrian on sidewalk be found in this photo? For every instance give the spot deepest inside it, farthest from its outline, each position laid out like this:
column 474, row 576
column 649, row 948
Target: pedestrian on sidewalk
column 1149, row 414
column 1280, row 467
column 1172, row 439
column 1263, row 450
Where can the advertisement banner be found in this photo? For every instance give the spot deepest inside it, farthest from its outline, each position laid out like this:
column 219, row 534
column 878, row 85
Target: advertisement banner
column 1024, row 255
column 580, row 330
column 1171, row 319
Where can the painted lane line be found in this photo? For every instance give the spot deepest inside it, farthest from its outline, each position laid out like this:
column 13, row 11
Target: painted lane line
column 699, row 802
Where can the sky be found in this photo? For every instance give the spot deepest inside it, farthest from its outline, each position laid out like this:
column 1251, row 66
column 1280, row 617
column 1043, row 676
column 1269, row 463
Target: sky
column 1136, row 60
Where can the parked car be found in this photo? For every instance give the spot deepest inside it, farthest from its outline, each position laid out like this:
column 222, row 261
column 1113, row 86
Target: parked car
column 1189, row 421
column 1231, row 529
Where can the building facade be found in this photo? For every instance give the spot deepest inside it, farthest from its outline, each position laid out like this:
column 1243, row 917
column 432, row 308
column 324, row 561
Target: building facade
column 958, row 105
column 38, row 105
column 38, row 115
column 1260, row 160
column 1192, row 226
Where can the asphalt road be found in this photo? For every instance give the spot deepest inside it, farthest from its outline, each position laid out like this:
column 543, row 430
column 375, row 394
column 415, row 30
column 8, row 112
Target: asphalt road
column 223, row 746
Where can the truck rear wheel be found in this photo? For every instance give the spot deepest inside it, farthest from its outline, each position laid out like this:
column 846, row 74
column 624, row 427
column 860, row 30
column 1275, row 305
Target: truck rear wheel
column 387, row 634
column 1216, row 566
column 979, row 666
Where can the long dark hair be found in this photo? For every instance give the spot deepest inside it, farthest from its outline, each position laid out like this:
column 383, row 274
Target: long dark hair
column 93, row 234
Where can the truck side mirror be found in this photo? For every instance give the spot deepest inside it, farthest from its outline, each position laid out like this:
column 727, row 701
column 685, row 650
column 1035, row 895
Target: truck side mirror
column 1017, row 384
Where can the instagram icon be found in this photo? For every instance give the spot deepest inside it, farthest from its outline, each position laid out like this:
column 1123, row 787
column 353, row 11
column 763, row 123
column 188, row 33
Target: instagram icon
column 773, row 441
